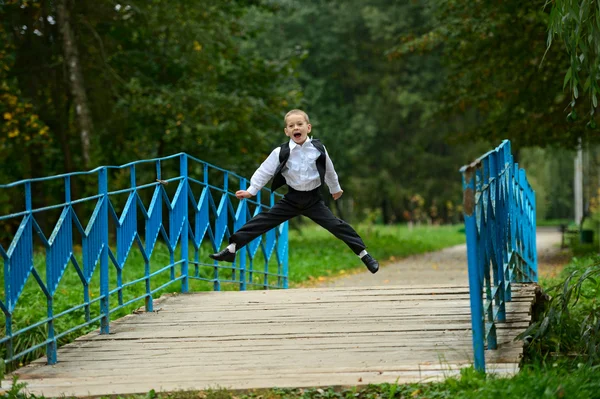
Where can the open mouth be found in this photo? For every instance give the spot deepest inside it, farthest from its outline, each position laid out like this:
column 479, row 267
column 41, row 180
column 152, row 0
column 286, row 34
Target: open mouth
column 297, row 135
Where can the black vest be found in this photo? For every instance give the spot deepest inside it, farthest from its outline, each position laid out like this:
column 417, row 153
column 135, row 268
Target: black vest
column 284, row 155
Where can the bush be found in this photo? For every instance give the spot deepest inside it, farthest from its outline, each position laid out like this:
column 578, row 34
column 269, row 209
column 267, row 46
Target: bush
column 568, row 328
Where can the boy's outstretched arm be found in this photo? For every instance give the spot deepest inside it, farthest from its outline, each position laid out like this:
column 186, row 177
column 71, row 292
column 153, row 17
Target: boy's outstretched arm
column 263, row 174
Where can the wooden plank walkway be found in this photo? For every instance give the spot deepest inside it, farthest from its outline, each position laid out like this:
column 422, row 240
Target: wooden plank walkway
column 281, row 338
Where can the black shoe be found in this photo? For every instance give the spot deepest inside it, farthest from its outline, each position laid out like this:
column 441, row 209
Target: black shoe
column 225, row 255
column 371, row 263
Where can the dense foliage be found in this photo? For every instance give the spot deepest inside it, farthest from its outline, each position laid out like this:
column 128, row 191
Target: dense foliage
column 402, row 93
column 160, row 77
column 501, row 73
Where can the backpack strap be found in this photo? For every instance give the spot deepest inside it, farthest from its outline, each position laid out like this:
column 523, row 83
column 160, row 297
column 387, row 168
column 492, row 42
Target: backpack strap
column 284, row 153
column 318, row 145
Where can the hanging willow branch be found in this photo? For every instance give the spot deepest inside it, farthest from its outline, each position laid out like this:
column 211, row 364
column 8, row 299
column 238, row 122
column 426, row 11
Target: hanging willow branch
column 577, row 24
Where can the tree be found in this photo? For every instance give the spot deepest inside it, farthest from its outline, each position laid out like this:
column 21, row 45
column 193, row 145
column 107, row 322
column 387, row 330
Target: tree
column 158, row 77
column 500, row 73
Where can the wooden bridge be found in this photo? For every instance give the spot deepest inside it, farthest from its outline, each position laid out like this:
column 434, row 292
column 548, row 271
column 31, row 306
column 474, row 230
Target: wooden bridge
column 282, row 338
column 253, row 339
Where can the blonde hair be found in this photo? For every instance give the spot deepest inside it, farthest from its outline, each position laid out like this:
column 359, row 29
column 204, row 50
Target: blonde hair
column 296, row 111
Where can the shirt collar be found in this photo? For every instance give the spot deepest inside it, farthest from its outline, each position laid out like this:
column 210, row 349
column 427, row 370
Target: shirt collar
column 294, row 145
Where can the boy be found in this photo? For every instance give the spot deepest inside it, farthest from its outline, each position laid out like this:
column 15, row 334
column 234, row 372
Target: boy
column 303, row 164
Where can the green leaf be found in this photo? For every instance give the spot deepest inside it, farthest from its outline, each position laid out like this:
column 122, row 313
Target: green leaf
column 567, row 77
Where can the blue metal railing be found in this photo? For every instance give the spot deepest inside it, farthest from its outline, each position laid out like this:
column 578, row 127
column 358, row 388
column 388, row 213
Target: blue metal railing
column 499, row 211
column 182, row 210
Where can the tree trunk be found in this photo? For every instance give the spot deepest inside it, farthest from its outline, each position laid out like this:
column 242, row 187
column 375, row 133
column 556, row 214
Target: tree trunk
column 76, row 85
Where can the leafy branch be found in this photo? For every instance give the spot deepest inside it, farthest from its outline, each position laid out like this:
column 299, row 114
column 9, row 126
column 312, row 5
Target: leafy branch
column 577, row 24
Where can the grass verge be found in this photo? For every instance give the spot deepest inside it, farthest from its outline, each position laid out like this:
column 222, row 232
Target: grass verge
column 315, row 254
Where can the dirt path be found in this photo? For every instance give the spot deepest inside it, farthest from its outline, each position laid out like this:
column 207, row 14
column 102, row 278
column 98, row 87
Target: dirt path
column 449, row 265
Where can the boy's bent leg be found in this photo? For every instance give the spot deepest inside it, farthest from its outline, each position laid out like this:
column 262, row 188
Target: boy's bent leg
column 259, row 224
column 281, row 212
column 322, row 215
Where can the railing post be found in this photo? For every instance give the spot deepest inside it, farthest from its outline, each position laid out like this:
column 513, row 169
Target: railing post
column 51, row 346
column 240, row 219
column 183, row 171
column 9, row 310
column 505, row 167
column 103, row 220
column 256, row 211
column 266, row 270
column 498, row 234
column 216, row 282
column 475, row 279
column 283, row 252
column 534, row 241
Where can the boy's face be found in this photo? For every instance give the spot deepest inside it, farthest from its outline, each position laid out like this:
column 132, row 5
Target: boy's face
column 297, row 128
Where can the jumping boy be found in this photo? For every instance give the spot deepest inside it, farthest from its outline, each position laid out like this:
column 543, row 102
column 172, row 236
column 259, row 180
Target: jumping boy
column 303, row 164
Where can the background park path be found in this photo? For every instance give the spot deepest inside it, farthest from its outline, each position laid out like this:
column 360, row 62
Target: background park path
column 448, row 266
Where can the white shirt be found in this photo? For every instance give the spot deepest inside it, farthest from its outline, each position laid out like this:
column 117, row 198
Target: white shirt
column 300, row 171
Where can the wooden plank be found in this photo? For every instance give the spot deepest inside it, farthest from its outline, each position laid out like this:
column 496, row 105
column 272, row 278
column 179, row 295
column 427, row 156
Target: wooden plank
column 382, row 341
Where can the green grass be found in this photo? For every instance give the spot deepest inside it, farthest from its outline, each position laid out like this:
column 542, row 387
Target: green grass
column 316, row 253
column 553, row 222
column 531, row 383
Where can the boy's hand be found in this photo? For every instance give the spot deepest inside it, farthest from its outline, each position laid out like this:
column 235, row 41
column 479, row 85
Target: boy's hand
column 337, row 195
column 242, row 194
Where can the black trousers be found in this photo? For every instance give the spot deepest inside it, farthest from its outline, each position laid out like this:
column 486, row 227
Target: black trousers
column 294, row 203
